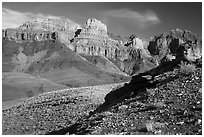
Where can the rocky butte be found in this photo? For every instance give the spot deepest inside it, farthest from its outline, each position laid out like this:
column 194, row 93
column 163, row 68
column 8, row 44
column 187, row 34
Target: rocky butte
column 92, row 39
column 89, row 39
column 42, row 29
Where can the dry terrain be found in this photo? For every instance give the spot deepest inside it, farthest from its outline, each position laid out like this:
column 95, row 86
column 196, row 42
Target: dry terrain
column 170, row 104
column 53, row 110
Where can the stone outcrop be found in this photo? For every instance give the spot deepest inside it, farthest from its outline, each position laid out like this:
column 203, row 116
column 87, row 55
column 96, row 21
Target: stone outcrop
column 94, row 28
column 24, row 36
column 138, row 44
column 52, row 24
column 94, row 40
column 104, row 48
column 95, row 47
column 43, row 29
column 177, row 44
column 135, row 42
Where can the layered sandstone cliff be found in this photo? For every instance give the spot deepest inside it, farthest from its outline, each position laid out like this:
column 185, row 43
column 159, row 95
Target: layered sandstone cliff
column 94, row 28
column 28, row 36
column 90, row 39
column 94, row 40
column 43, row 29
column 51, row 24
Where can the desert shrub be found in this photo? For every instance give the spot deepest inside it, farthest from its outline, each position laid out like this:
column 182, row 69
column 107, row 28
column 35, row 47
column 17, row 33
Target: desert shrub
column 186, row 69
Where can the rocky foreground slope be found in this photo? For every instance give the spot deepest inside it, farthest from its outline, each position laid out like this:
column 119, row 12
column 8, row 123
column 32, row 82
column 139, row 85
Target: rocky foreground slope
column 171, row 103
column 54, row 110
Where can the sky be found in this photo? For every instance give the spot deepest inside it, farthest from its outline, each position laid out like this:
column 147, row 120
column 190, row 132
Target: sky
column 122, row 18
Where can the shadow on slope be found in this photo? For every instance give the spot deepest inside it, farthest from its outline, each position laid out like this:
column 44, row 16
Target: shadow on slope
column 136, row 88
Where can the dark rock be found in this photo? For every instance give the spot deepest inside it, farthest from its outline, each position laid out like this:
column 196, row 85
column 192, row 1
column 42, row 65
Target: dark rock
column 176, row 45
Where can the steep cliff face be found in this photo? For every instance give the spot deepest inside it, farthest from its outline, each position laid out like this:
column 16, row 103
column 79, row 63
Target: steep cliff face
column 94, row 28
column 137, row 43
column 28, row 36
column 43, row 29
column 51, row 24
column 176, row 45
column 89, row 39
column 93, row 39
column 132, row 55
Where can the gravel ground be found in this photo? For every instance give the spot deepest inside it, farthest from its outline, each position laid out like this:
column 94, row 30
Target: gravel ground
column 54, row 110
column 172, row 106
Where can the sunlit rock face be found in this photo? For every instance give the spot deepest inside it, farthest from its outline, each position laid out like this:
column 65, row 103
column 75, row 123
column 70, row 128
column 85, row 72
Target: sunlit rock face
column 28, row 36
column 94, row 28
column 135, row 42
column 94, row 40
column 138, row 44
column 63, row 26
column 51, row 24
column 95, row 47
column 42, row 29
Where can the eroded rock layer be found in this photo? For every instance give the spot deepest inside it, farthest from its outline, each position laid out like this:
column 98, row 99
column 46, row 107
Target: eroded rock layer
column 20, row 36
column 92, row 38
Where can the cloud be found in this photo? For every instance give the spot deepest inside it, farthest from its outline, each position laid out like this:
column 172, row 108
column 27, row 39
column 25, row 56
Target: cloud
column 13, row 19
column 142, row 20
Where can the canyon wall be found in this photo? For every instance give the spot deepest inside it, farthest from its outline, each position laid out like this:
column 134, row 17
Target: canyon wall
column 51, row 24
column 28, row 36
column 89, row 39
column 94, row 40
column 129, row 54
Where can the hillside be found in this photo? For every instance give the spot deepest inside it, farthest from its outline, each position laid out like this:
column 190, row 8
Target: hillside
column 16, row 85
column 170, row 104
column 54, row 110
column 173, row 106
column 42, row 62
column 104, row 64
